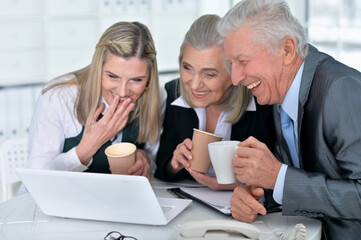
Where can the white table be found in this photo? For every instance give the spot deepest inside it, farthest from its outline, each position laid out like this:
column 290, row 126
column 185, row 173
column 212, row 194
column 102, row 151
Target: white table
column 20, row 218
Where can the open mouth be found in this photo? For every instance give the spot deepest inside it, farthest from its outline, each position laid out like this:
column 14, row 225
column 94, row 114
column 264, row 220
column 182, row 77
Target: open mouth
column 199, row 94
column 253, row 85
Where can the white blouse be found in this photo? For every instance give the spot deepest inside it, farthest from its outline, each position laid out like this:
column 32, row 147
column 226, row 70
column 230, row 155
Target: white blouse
column 54, row 121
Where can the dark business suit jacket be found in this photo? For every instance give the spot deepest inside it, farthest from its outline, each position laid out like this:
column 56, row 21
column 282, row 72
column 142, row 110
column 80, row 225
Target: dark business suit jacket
column 328, row 184
column 179, row 123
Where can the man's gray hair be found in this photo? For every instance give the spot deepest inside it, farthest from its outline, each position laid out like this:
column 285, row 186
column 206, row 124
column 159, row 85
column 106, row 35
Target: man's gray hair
column 270, row 22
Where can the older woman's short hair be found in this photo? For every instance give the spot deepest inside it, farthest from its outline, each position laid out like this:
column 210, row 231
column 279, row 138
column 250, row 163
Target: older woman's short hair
column 203, row 34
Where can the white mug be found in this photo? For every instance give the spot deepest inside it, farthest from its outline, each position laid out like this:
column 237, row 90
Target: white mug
column 221, row 154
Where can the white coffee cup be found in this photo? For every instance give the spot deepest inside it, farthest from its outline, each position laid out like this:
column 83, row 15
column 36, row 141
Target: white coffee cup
column 221, row 154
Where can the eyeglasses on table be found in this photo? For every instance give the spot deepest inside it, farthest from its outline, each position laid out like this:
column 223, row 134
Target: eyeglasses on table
column 115, row 235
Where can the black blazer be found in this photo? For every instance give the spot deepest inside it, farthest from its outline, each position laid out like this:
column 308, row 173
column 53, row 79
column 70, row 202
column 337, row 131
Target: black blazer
column 179, row 123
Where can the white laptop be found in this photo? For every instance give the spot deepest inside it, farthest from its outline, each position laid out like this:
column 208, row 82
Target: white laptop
column 95, row 196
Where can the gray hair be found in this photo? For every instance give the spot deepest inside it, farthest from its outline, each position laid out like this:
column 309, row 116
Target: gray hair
column 203, row 34
column 270, row 20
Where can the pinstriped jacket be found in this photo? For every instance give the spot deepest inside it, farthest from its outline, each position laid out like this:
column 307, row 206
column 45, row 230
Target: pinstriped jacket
column 328, row 184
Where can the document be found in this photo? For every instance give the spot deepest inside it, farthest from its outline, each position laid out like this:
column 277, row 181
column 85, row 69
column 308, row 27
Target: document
column 218, row 200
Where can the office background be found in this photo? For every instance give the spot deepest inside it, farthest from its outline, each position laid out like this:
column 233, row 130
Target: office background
column 41, row 39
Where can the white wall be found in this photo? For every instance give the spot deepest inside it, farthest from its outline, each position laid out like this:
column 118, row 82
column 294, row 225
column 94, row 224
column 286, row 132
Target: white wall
column 42, row 39
column 219, row 7
column 298, row 9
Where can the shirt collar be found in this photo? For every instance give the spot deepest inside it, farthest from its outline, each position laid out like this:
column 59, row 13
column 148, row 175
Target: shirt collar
column 252, row 105
column 106, row 106
column 180, row 102
column 291, row 97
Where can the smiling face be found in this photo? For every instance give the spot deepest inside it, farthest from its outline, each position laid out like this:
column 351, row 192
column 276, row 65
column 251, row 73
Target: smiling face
column 204, row 75
column 254, row 67
column 126, row 78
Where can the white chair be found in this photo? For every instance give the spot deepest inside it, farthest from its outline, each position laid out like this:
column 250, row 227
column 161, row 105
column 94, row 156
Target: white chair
column 13, row 154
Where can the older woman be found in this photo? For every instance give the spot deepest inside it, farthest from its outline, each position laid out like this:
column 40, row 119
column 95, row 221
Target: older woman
column 114, row 99
column 205, row 98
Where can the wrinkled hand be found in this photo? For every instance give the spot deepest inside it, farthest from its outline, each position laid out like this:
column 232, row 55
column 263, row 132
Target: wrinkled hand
column 181, row 156
column 102, row 130
column 211, row 182
column 255, row 164
column 245, row 205
column 142, row 164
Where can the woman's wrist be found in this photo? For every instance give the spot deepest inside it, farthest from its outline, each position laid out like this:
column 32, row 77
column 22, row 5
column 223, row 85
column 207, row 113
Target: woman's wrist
column 85, row 153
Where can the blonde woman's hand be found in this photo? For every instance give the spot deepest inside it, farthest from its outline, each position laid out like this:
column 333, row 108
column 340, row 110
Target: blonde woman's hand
column 102, row 130
column 142, row 164
column 181, row 156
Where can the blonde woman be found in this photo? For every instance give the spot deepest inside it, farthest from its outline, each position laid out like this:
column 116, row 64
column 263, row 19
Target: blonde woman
column 115, row 99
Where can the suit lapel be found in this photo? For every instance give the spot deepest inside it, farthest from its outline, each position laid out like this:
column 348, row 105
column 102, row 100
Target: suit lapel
column 311, row 63
column 309, row 69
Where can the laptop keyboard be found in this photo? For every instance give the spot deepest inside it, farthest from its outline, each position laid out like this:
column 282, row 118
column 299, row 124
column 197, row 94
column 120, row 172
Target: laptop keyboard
column 165, row 209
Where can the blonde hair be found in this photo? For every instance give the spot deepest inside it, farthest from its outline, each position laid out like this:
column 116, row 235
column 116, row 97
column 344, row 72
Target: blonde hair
column 126, row 40
column 203, row 34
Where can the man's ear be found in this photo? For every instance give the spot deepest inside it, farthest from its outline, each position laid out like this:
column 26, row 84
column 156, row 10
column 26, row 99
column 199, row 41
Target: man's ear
column 289, row 50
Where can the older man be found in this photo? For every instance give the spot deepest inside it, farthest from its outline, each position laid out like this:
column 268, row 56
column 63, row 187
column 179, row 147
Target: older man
column 316, row 168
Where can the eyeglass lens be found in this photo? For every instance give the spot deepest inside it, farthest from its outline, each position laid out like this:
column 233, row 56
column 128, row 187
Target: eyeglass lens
column 114, row 235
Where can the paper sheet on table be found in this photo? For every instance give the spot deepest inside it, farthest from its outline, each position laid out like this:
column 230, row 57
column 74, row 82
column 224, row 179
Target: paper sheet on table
column 218, row 199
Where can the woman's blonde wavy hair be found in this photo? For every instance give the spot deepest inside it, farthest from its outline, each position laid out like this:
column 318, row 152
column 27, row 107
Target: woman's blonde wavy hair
column 126, row 40
column 203, row 34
